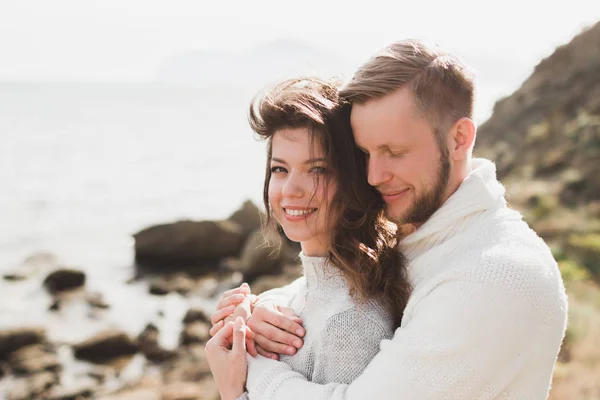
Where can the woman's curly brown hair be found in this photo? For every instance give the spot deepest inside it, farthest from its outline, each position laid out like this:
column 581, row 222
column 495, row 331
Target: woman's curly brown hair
column 362, row 241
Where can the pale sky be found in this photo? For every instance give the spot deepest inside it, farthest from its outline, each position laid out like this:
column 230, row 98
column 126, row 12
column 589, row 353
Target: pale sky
column 126, row 40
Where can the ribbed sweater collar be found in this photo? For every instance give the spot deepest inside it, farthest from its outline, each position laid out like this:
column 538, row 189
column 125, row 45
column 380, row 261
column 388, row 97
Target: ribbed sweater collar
column 478, row 193
column 319, row 272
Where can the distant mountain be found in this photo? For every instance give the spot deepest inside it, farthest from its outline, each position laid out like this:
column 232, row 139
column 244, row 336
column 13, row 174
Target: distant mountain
column 545, row 140
column 262, row 65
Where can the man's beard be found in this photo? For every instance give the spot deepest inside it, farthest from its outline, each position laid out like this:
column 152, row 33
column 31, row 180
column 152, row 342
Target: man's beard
column 430, row 201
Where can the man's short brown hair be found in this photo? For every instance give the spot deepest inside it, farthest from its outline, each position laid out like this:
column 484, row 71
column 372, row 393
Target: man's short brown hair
column 442, row 87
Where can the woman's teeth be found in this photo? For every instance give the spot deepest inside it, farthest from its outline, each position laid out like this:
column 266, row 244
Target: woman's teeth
column 296, row 213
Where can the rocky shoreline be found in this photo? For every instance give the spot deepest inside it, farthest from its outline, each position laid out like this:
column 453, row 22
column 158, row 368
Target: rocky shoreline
column 191, row 260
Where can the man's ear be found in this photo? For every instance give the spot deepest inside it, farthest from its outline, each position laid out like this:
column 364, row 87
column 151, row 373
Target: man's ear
column 462, row 138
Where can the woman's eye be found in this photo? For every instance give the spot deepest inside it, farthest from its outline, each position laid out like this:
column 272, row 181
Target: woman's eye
column 319, row 170
column 275, row 170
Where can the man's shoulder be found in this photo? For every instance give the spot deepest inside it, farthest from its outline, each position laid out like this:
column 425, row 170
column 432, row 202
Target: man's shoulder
column 504, row 250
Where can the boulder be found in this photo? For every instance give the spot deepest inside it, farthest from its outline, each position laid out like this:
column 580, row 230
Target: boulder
column 187, row 244
column 196, row 332
column 179, row 283
column 74, row 391
column 106, row 346
column 143, row 393
column 33, row 359
column 13, row 339
column 32, row 387
column 190, row 366
column 96, row 300
column 148, row 340
column 263, row 253
column 204, row 390
column 248, row 217
column 194, row 315
column 64, row 279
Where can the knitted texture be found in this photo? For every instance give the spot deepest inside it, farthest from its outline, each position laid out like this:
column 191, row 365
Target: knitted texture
column 485, row 319
column 342, row 336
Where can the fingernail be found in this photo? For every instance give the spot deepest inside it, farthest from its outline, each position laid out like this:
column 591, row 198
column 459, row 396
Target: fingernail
column 300, row 332
column 298, row 343
column 290, row 351
column 274, row 357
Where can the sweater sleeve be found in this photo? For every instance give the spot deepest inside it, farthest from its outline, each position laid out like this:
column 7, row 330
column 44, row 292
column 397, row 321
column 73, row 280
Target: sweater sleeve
column 348, row 343
column 282, row 296
column 467, row 339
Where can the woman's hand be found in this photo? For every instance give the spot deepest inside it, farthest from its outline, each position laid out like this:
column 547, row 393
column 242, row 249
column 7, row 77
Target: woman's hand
column 226, row 355
column 227, row 305
column 235, row 303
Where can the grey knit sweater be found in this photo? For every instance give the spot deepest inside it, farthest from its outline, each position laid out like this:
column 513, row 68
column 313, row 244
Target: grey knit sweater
column 342, row 335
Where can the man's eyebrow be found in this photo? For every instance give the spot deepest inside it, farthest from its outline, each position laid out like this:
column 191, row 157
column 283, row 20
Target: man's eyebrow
column 383, row 147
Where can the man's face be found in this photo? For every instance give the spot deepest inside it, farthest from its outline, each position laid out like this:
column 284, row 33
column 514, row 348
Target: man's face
column 404, row 160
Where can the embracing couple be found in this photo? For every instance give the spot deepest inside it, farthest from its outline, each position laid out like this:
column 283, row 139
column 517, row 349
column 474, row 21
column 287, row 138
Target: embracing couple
column 418, row 281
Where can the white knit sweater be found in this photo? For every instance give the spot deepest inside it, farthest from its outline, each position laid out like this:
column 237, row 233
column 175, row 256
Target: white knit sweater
column 485, row 320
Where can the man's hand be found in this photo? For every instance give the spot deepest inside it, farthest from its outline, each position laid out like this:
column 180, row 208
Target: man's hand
column 276, row 330
column 226, row 356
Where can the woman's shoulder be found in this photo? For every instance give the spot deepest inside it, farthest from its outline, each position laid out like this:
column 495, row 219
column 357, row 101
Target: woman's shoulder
column 370, row 316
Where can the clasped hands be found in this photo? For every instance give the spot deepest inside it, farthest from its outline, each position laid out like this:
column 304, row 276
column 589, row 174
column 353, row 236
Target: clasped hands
column 272, row 329
column 242, row 324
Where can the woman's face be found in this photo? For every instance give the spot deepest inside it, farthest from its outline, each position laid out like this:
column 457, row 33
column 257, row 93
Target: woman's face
column 299, row 191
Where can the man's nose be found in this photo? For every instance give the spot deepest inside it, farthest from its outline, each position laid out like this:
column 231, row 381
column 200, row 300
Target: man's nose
column 377, row 171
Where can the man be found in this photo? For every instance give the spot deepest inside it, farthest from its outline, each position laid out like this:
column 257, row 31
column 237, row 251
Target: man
column 488, row 309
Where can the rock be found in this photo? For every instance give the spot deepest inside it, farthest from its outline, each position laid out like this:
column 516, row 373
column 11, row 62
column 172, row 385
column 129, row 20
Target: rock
column 159, row 287
column 135, row 394
column 196, row 332
column 55, row 305
column 32, row 387
column 248, row 217
column 190, row 365
column 76, row 391
column 96, row 300
column 157, row 354
column 13, row 339
column 207, row 287
column 148, row 340
column 261, row 255
column 149, row 335
column 64, row 279
column 205, row 390
column 105, row 346
column 34, row 359
column 179, row 283
column 33, row 265
column 187, row 244
column 194, row 315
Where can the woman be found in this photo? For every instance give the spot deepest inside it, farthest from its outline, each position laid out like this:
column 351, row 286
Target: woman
column 354, row 286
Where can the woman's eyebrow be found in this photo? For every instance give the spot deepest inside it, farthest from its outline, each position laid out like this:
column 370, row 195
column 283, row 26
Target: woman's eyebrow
column 315, row 160
column 310, row 161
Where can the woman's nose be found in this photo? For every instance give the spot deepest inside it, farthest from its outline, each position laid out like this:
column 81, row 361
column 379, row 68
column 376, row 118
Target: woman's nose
column 293, row 187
